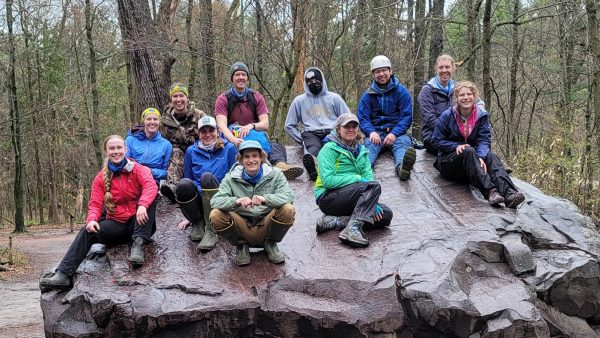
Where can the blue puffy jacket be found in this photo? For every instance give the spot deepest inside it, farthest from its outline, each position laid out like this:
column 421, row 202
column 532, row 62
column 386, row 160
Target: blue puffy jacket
column 387, row 110
column 153, row 153
column 197, row 161
column 447, row 136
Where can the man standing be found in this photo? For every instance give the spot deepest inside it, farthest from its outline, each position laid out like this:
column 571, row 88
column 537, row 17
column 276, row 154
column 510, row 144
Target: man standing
column 385, row 114
column 316, row 111
column 241, row 110
column 179, row 125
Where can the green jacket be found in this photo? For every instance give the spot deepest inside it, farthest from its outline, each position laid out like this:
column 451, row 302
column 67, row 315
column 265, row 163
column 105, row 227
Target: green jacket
column 273, row 186
column 338, row 168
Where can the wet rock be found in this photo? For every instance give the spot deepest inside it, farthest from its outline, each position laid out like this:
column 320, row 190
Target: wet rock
column 449, row 265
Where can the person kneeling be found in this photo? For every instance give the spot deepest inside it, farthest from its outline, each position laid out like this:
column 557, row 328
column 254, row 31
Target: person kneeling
column 253, row 206
column 126, row 190
column 345, row 190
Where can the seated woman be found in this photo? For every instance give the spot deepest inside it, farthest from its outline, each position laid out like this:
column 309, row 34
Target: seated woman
column 463, row 136
column 253, row 206
column 147, row 147
column 205, row 164
column 126, row 191
column 346, row 187
column 435, row 97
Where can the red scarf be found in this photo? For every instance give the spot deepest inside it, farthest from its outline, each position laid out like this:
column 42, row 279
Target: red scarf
column 466, row 128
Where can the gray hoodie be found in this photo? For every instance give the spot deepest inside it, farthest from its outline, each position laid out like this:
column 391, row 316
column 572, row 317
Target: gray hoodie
column 310, row 112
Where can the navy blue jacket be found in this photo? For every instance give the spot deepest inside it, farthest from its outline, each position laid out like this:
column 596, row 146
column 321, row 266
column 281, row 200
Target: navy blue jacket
column 197, row 161
column 383, row 109
column 432, row 102
column 153, row 153
column 447, row 136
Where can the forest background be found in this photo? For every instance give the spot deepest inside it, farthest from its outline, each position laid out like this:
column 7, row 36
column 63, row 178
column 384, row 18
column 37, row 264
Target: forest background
column 75, row 71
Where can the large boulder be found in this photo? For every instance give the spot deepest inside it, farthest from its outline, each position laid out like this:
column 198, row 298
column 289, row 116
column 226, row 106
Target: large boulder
column 449, row 265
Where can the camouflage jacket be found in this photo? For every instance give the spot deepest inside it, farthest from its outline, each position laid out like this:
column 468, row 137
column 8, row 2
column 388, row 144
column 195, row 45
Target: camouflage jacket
column 180, row 134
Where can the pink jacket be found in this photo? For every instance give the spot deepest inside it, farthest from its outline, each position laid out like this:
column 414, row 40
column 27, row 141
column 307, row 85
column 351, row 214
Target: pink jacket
column 134, row 186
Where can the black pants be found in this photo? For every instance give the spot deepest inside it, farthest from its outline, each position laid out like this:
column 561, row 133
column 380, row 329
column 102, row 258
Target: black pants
column 466, row 167
column 278, row 153
column 186, row 188
column 313, row 141
column 111, row 233
column 358, row 201
column 430, row 147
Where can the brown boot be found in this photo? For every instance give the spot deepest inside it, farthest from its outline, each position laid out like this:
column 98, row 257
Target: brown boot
column 495, row 198
column 289, row 172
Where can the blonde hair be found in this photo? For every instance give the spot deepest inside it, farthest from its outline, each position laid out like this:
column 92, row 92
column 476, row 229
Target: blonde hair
column 465, row 84
column 445, row 57
column 107, row 176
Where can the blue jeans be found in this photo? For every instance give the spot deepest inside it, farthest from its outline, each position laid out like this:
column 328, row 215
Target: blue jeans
column 399, row 147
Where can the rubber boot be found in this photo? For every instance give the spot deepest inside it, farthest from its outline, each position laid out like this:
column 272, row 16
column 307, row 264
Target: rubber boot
column 59, row 280
column 210, row 238
column 277, row 231
column 136, row 256
column 328, row 222
column 311, row 166
column 242, row 250
column 167, row 190
column 192, row 211
column 353, row 234
column 288, row 171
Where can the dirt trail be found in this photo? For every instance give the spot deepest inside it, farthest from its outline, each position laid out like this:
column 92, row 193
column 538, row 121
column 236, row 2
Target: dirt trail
column 20, row 312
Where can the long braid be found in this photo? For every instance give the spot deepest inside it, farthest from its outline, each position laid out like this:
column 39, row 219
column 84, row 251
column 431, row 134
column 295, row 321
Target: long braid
column 109, row 203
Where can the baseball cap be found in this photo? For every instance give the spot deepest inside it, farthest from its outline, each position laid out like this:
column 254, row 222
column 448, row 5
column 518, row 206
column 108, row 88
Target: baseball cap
column 344, row 119
column 207, row 121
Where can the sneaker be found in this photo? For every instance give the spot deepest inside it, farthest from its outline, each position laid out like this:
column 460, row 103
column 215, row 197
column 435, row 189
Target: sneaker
column 311, row 167
column 408, row 161
column 514, row 199
column 288, row 171
column 495, row 198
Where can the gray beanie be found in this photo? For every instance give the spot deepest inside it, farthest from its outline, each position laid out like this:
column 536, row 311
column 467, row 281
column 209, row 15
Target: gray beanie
column 238, row 66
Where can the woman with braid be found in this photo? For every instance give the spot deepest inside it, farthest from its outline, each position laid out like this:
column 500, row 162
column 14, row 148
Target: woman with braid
column 121, row 209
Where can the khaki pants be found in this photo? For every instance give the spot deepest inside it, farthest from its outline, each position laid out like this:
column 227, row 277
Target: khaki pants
column 175, row 170
column 255, row 235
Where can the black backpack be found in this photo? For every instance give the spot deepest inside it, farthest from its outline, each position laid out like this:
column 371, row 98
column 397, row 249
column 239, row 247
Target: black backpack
column 232, row 100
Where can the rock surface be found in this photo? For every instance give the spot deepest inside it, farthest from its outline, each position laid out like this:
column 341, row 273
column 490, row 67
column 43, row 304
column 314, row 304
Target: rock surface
column 449, row 265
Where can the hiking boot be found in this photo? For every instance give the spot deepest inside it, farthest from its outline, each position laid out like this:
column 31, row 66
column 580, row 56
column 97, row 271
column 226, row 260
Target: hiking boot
column 289, row 172
column 242, row 254
column 495, row 198
column 167, row 190
column 328, row 222
column 514, row 199
column 59, row 280
column 273, row 252
column 353, row 234
column 408, row 161
column 136, row 256
column 311, row 166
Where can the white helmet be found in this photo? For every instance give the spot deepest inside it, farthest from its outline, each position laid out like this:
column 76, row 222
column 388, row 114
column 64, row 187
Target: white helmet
column 380, row 61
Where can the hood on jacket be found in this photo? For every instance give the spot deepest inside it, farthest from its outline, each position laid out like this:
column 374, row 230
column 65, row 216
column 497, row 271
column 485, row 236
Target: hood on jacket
column 434, row 85
column 324, row 82
column 374, row 88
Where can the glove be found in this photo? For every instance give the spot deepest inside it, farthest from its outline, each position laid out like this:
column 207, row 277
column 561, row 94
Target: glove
column 378, row 210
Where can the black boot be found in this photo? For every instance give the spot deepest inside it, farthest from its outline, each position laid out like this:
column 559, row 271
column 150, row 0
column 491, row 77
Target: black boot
column 277, row 231
column 242, row 251
column 192, row 210
column 167, row 190
column 353, row 234
column 59, row 280
column 210, row 238
column 311, row 166
column 136, row 256
column 327, row 223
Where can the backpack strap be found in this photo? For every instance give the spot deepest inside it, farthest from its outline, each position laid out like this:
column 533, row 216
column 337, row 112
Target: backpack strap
column 232, row 101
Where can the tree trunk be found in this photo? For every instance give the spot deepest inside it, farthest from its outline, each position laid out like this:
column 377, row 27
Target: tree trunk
column 191, row 47
column 356, row 46
column 436, row 46
column 259, row 48
column 419, row 63
column 149, row 49
column 95, row 113
column 208, row 44
column 591, row 7
column 487, row 54
column 510, row 127
column 15, row 124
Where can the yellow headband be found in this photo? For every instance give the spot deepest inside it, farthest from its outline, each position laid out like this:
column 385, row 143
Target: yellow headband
column 178, row 87
column 149, row 111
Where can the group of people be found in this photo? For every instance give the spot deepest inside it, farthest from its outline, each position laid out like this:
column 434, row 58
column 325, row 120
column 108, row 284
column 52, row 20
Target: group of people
column 230, row 179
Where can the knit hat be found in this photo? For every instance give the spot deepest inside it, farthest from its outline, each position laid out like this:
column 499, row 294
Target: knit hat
column 315, row 74
column 178, row 88
column 238, row 66
column 344, row 119
column 149, row 111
